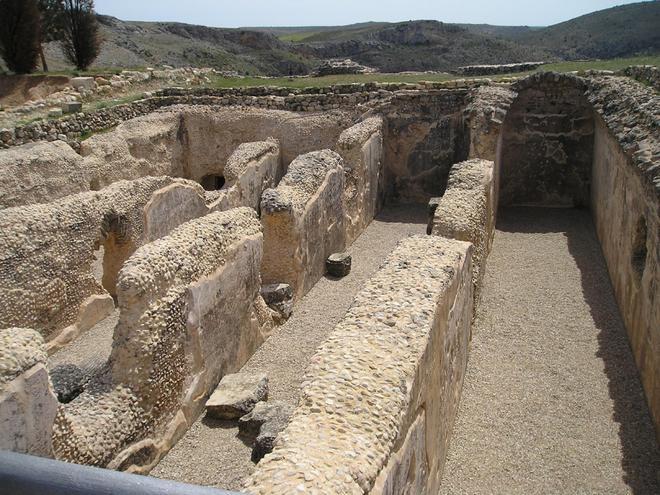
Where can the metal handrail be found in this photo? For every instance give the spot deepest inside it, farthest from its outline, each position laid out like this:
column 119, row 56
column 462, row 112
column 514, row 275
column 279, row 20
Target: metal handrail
column 22, row 474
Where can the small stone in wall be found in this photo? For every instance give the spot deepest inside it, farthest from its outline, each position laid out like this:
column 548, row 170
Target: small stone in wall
column 266, row 421
column 279, row 298
column 236, row 395
column 338, row 264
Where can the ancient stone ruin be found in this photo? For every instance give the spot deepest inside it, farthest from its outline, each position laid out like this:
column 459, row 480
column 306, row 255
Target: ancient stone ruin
column 186, row 246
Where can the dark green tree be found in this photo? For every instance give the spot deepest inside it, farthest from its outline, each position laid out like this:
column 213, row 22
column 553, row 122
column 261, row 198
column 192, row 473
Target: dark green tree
column 81, row 41
column 19, row 34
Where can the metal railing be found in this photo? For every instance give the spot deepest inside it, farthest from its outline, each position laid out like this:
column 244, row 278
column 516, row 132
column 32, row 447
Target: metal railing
column 22, row 474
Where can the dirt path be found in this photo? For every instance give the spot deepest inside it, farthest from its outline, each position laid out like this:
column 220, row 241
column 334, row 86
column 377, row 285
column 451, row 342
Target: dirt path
column 552, row 402
column 210, row 453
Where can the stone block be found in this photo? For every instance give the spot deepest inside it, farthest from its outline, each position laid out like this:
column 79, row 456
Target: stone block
column 84, row 83
column 71, row 107
column 265, row 422
column 279, row 298
column 338, row 264
column 237, row 395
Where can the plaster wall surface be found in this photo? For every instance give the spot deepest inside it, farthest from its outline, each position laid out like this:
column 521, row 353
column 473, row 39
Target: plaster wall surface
column 381, row 393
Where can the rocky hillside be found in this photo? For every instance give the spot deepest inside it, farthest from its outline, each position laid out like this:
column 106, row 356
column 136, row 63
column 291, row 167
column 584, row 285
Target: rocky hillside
column 390, row 47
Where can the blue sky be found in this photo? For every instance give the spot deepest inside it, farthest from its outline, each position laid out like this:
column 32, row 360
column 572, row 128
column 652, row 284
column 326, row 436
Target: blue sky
column 237, row 13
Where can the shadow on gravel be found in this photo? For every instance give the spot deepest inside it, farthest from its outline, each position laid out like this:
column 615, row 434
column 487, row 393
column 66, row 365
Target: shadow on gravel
column 641, row 456
column 227, row 424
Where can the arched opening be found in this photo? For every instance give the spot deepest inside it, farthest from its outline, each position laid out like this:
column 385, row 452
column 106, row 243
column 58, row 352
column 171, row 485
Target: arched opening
column 547, row 146
column 212, row 182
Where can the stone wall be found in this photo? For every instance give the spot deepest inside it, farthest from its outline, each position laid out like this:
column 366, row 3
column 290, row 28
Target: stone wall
column 646, row 74
column 626, row 213
column 547, row 143
column 381, row 394
column 467, row 212
column 40, row 173
column 303, row 221
column 250, row 170
column 361, row 148
column 47, row 252
column 424, row 135
column 169, row 351
column 27, row 402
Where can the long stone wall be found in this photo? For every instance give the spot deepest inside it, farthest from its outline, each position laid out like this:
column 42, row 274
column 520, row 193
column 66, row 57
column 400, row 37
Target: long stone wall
column 467, row 212
column 303, row 221
column 169, row 352
column 381, row 394
column 361, row 148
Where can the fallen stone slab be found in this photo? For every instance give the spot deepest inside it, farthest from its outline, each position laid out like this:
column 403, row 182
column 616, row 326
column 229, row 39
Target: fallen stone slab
column 338, row 264
column 279, row 298
column 85, row 83
column 237, row 395
column 265, row 422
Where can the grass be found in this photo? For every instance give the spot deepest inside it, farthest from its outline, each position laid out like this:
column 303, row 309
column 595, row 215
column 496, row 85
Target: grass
column 286, row 82
column 100, row 105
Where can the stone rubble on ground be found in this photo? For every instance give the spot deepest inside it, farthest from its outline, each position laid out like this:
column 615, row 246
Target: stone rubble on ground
column 237, row 395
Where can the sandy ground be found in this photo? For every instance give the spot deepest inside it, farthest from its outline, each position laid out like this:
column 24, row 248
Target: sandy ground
column 211, row 453
column 552, row 402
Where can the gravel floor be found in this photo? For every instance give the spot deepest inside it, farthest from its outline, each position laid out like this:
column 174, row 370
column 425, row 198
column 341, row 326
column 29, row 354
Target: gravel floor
column 211, row 453
column 552, row 402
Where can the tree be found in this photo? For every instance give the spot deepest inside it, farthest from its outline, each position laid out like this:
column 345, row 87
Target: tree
column 80, row 41
column 52, row 12
column 19, row 34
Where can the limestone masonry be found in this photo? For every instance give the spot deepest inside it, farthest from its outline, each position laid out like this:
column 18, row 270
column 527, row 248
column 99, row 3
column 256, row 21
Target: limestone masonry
column 144, row 267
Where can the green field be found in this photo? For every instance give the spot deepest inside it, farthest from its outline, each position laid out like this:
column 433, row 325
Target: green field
column 285, row 82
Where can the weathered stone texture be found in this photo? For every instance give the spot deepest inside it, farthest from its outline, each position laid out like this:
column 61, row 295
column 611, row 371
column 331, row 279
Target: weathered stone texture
column 361, row 147
column 40, row 173
column 250, row 170
column 190, row 312
column 303, row 221
column 547, row 143
column 393, row 365
column 27, row 402
column 236, row 395
column 467, row 212
column 47, row 251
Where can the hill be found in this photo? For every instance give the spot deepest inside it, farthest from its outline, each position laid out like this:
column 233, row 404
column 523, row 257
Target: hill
column 390, row 47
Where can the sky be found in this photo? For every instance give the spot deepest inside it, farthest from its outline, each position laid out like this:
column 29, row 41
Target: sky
column 241, row 13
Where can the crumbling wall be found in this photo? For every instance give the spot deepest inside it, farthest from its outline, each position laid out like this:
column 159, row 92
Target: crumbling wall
column 381, row 394
column 47, row 251
column 361, row 147
column 190, row 312
column 40, row 173
column 625, row 202
column 547, row 143
column 467, row 212
column 250, row 170
column 213, row 133
column 303, row 221
column 424, row 135
column 151, row 145
column 27, row 402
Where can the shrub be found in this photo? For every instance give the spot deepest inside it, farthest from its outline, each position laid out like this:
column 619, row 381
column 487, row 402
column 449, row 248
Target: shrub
column 19, row 34
column 81, row 41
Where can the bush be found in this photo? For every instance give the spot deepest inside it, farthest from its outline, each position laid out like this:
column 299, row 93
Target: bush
column 81, row 41
column 19, row 34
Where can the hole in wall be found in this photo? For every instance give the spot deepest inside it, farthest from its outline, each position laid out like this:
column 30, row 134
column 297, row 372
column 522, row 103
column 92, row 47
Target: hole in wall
column 639, row 250
column 94, row 185
column 212, row 182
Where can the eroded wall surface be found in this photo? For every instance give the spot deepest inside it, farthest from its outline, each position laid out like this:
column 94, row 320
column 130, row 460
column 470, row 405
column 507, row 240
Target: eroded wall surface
column 190, row 312
column 40, row 173
column 27, row 402
column 251, row 169
column 361, row 148
column 381, row 394
column 467, row 212
column 626, row 212
column 303, row 221
column 47, row 252
column 547, row 143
